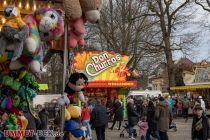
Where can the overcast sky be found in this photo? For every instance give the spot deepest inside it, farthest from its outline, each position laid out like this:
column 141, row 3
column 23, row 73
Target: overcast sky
column 203, row 50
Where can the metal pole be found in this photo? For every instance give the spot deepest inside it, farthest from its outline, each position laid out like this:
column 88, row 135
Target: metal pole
column 64, row 72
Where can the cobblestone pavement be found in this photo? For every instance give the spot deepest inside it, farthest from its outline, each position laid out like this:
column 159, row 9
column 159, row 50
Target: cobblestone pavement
column 183, row 132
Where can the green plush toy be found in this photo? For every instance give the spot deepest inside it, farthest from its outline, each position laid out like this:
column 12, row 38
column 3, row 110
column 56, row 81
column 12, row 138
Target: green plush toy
column 11, row 123
column 7, row 81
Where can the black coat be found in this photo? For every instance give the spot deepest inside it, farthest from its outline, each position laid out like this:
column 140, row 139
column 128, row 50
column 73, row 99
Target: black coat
column 133, row 116
column 204, row 134
column 151, row 119
column 98, row 116
column 43, row 115
column 118, row 111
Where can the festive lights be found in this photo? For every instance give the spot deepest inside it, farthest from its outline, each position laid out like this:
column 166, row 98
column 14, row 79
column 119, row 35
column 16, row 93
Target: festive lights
column 5, row 3
column 34, row 8
column 20, row 5
column 27, row 6
column 3, row 20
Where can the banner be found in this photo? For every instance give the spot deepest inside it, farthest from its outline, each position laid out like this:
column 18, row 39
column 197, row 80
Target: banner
column 102, row 66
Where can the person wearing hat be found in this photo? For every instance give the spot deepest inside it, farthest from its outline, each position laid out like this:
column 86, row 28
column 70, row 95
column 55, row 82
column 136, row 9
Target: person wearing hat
column 200, row 125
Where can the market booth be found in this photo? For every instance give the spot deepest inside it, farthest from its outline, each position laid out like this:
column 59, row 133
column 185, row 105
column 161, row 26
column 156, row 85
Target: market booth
column 107, row 73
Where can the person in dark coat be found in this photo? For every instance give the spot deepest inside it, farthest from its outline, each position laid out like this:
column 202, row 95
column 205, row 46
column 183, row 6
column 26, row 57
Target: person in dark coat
column 32, row 122
column 151, row 122
column 118, row 113
column 200, row 125
column 162, row 115
column 99, row 120
column 43, row 115
column 133, row 117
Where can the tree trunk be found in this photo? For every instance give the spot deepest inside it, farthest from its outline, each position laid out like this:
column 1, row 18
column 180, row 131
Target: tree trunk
column 170, row 63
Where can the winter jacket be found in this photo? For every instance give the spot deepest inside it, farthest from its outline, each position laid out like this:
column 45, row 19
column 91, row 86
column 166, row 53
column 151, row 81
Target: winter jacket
column 151, row 119
column 143, row 126
column 43, row 115
column 204, row 132
column 31, row 121
column 162, row 115
column 98, row 116
column 133, row 116
column 118, row 111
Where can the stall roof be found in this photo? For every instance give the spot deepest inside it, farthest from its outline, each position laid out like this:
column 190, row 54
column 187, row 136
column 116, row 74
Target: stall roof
column 111, row 84
column 190, row 87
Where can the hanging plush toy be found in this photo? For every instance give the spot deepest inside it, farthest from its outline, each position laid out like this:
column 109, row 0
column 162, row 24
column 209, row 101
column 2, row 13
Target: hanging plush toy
column 45, row 25
column 75, row 85
column 13, row 33
column 78, row 11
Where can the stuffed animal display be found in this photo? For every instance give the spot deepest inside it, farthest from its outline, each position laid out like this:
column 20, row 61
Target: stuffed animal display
column 78, row 11
column 44, row 25
column 29, row 38
column 77, row 82
column 14, row 32
column 72, row 123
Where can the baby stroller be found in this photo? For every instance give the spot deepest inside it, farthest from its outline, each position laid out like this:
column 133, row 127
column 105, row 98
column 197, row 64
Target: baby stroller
column 172, row 125
column 125, row 128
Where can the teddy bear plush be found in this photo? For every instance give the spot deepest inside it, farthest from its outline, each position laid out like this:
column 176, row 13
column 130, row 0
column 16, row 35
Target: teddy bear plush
column 45, row 25
column 78, row 11
column 13, row 33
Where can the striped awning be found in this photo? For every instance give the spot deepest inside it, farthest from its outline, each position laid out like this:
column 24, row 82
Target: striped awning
column 190, row 87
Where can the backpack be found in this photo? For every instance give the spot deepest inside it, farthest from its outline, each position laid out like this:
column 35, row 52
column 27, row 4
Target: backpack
column 185, row 104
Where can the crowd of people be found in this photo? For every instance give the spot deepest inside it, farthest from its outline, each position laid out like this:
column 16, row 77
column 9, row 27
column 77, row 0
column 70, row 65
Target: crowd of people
column 152, row 116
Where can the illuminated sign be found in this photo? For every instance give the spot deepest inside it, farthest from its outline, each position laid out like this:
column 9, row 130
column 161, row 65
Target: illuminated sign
column 100, row 66
column 100, row 63
column 112, row 84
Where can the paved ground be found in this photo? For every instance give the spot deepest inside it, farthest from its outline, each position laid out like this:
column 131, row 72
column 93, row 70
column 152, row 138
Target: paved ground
column 183, row 132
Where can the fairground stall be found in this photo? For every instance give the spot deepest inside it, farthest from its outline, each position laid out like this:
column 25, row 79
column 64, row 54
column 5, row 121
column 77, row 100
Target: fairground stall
column 107, row 74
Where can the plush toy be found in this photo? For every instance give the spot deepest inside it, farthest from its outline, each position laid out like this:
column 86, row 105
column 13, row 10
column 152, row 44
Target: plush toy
column 11, row 122
column 14, row 31
column 76, row 33
column 45, row 25
column 75, row 85
column 91, row 10
column 72, row 125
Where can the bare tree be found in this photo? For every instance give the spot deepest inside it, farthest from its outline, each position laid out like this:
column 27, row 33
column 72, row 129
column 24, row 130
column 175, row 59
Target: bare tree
column 205, row 4
column 171, row 16
column 121, row 32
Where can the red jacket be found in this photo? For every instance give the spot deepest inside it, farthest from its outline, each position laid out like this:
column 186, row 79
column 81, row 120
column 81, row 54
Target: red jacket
column 85, row 114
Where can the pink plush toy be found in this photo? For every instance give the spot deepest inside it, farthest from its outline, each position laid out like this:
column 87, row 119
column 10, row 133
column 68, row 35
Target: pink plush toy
column 77, row 30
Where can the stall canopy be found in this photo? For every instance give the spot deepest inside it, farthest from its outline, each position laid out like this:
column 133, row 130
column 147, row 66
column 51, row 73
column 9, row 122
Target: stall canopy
column 190, row 87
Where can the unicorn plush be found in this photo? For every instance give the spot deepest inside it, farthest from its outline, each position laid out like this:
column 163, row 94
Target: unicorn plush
column 45, row 25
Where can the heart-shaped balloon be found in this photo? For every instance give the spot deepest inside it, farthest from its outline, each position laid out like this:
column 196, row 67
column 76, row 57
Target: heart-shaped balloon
column 4, row 103
column 9, row 102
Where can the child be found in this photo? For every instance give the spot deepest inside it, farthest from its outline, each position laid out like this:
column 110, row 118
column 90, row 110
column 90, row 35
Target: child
column 143, row 126
column 179, row 108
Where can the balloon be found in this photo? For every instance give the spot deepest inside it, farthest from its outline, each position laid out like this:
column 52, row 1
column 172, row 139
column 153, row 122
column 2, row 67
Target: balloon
column 4, row 103
column 7, row 81
column 16, row 85
column 9, row 102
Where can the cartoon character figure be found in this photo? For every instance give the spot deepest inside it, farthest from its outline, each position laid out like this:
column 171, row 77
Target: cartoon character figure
column 75, row 85
column 14, row 31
